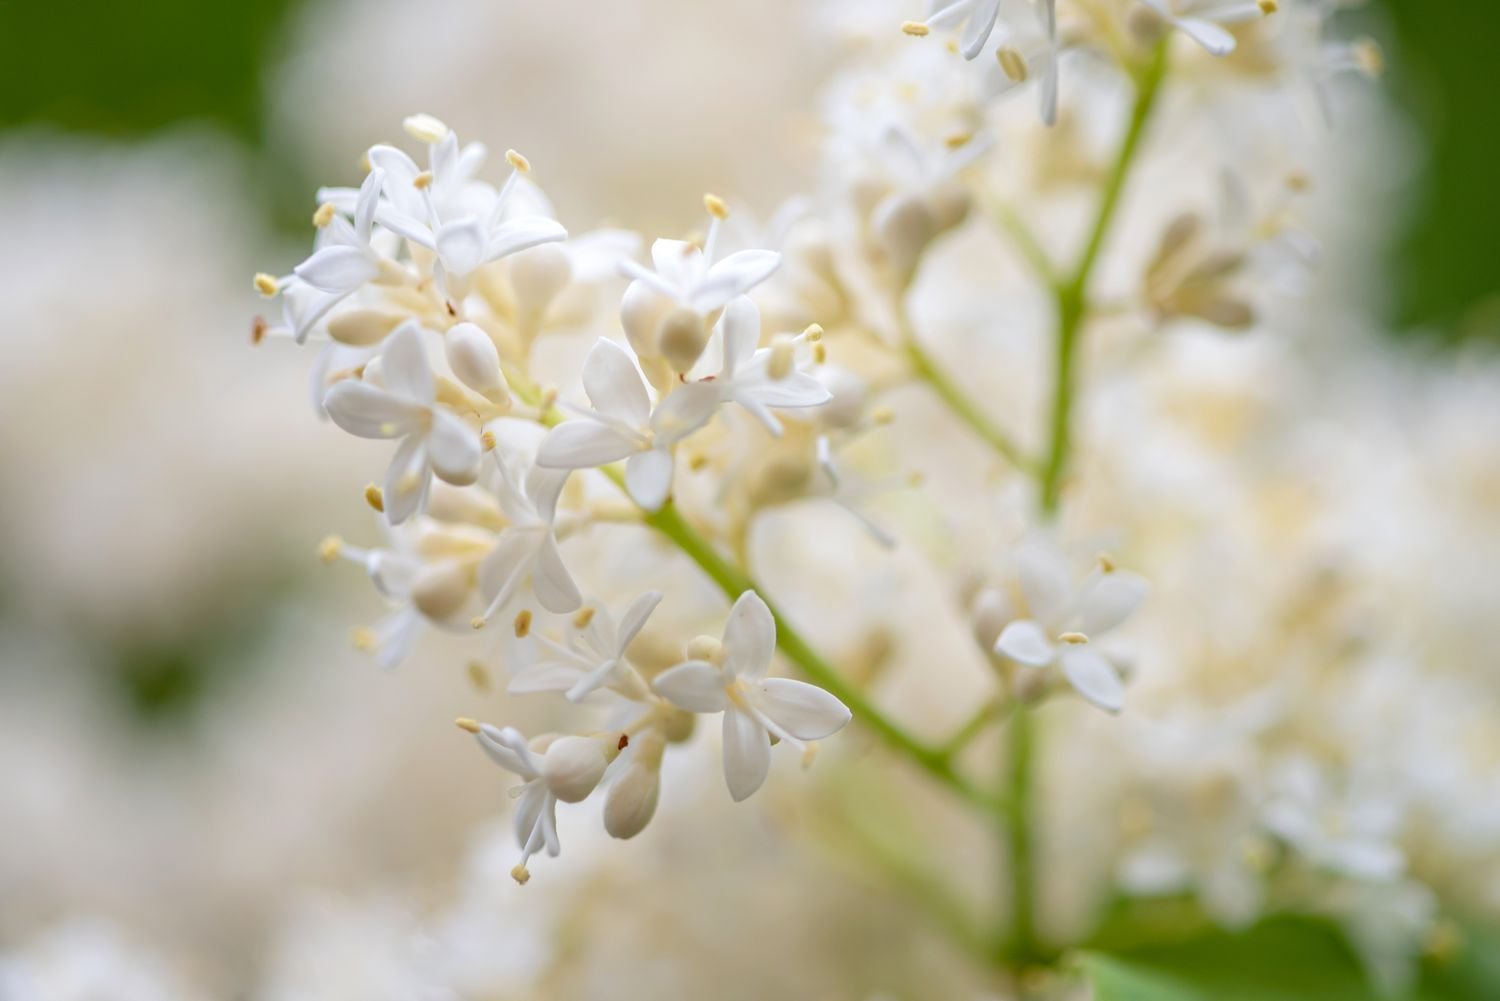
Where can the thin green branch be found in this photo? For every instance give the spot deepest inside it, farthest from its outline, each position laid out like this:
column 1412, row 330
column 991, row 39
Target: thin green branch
column 1026, row 242
column 990, row 713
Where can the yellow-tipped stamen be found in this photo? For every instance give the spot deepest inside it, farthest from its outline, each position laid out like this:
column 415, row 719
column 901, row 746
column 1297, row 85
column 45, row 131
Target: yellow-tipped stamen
column 365, row 640
column 1298, row 181
column 1267, row 7
column 1076, row 639
column 422, row 181
column 425, row 128
column 324, row 215
column 523, row 623
column 466, row 724
column 916, row 29
column 813, row 333
column 715, row 206
column 882, row 416
column 478, row 622
column 487, row 439
column 375, row 497
column 329, row 548
column 520, row 874
column 258, row 329
column 958, row 140
column 519, row 162
column 1106, row 563
column 266, row 284
column 1012, row 64
column 820, row 353
column 583, row 617
column 1369, row 56
column 479, row 676
column 698, row 462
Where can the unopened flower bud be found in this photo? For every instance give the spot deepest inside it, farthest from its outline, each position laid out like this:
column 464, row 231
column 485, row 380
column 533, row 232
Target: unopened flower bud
column 682, row 337
column 631, row 801
column 850, row 394
column 441, row 589
column 363, row 327
column 903, row 226
column 678, row 725
column 573, row 766
column 473, row 358
column 425, row 128
column 991, row 613
column 537, row 276
column 705, row 648
column 642, row 310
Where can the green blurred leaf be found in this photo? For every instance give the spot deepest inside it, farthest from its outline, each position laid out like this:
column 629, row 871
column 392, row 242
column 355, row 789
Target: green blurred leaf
column 1282, row 959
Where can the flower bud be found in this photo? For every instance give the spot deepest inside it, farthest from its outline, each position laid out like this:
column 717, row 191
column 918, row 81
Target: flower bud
column 363, row 327
column 441, row 589
column 903, row 226
column 473, row 358
column 642, row 310
column 631, row 801
column 990, row 614
column 682, row 338
column 573, row 766
column 678, row 725
column 849, row 394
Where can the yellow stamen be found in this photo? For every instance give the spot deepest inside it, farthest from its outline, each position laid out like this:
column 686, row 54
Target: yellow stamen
column 324, row 215
column 716, row 206
column 583, row 617
column 479, row 676
column 523, row 623
column 1076, row 639
column 813, row 333
column 375, row 498
column 1106, row 563
column 520, row 874
column 916, row 29
column 1368, row 54
column 329, row 548
column 519, row 162
column 258, row 329
column 958, row 140
column 487, row 439
column 422, row 181
column 266, row 285
column 365, row 640
column 425, row 128
column 1267, row 7
column 1012, row 64
column 464, row 723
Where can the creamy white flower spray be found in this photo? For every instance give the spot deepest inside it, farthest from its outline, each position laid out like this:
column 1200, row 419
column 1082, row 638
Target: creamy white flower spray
column 726, row 381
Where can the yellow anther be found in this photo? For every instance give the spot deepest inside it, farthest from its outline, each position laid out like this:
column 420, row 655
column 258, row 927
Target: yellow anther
column 329, row 548
column 520, row 874
column 464, row 723
column 813, row 333
column 422, row 181
column 1267, row 7
column 883, row 416
column 1012, row 64
column 487, row 439
column 258, row 329
column 523, row 623
column 1298, row 181
column 1369, row 56
column 477, row 622
column 1106, row 563
column 916, row 29
column 408, row 483
column 698, row 462
column 820, row 353
column 1074, row 638
column 324, row 215
column 951, row 45
column 716, row 206
column 958, row 140
column 365, row 165
column 266, row 285
column 705, row 648
column 583, row 617
column 365, row 640
column 479, row 676
column 519, row 162
column 375, row 498
column 425, row 128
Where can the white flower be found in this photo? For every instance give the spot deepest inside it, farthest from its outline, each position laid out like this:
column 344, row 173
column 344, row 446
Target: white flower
column 528, row 546
column 1203, row 20
column 689, row 276
column 593, row 657
column 536, row 803
column 1350, row 831
column 433, row 438
column 1031, row 54
column 977, row 16
column 755, row 707
column 346, row 260
column 1065, row 620
column 761, row 379
column 623, row 425
column 394, row 574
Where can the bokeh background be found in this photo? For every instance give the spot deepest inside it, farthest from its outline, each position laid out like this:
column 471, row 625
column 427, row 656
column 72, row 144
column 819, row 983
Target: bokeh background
column 167, row 640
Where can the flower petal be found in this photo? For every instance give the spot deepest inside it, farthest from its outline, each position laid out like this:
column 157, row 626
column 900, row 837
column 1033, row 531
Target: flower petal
column 404, row 368
column 795, row 389
column 551, row 581
column 507, row 748
column 368, row 411
column 740, row 326
column 749, row 638
column 648, row 477
column 977, row 31
column 747, row 754
column 614, row 385
column 1025, row 642
column 337, row 269
column 544, row 676
column 694, row 685
column 461, row 246
column 452, row 446
column 734, row 275
column 1109, row 601
column 802, row 710
column 1218, row 41
column 583, row 444
column 521, row 234
column 635, row 618
column 1045, row 581
column 407, row 480
column 686, row 410
column 366, row 203
column 676, row 261
column 1093, row 676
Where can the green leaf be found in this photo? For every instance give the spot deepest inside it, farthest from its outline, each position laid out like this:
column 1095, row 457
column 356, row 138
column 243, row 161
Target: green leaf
column 1281, row 959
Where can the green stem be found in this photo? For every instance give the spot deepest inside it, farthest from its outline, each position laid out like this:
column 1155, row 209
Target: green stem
column 991, row 712
column 963, row 408
column 1072, row 298
column 1072, row 294
column 734, row 581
